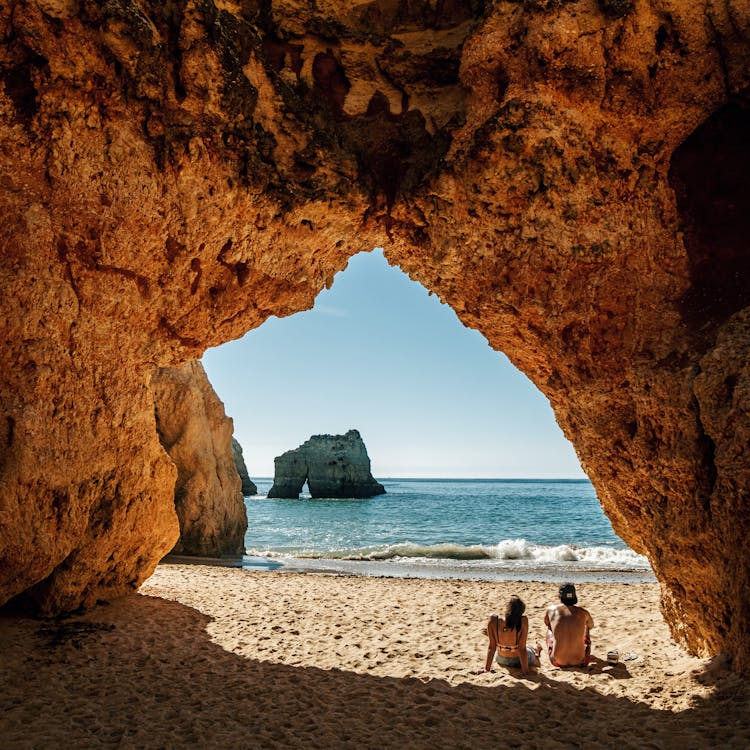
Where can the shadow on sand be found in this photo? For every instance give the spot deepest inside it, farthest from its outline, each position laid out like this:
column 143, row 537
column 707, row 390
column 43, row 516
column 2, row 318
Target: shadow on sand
column 144, row 673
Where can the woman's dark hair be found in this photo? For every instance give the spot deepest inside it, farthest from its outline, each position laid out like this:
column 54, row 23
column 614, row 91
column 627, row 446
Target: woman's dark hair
column 514, row 612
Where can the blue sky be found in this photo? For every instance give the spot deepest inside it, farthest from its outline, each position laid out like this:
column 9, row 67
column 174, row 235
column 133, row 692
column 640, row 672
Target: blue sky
column 378, row 354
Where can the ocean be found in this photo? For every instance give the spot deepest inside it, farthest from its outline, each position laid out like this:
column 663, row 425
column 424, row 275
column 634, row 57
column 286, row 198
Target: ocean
column 484, row 529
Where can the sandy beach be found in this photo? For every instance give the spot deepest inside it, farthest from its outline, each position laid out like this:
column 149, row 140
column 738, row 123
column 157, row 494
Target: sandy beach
column 215, row 657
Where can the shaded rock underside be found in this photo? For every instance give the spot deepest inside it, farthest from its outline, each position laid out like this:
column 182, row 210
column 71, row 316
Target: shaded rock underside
column 570, row 176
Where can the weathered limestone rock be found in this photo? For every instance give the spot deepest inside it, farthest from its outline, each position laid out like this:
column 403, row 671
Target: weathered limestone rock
column 290, row 473
column 197, row 434
column 332, row 466
column 569, row 176
column 248, row 486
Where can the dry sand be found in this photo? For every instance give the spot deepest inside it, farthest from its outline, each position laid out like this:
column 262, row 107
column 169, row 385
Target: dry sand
column 209, row 657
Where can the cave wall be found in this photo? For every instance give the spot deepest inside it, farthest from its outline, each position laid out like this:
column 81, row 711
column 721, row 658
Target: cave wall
column 197, row 434
column 567, row 175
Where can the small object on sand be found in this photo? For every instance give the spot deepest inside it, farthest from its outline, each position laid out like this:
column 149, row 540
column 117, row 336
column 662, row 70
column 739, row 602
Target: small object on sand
column 613, row 656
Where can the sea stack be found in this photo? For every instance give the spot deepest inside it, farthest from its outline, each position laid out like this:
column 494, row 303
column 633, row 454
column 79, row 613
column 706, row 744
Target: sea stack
column 332, row 466
column 248, row 486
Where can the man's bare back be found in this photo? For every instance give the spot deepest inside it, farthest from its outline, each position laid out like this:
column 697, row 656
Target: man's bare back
column 568, row 637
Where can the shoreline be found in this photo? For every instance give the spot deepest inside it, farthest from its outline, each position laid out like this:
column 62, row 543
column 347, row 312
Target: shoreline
column 443, row 570
column 214, row 656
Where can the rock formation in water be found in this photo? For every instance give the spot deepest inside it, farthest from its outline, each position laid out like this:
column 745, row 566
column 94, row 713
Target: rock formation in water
column 197, row 434
column 248, row 486
column 571, row 177
column 332, row 466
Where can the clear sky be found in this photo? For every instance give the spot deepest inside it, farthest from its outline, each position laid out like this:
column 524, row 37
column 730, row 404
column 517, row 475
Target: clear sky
column 378, row 354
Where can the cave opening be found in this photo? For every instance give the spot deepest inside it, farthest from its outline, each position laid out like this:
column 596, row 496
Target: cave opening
column 377, row 353
column 473, row 463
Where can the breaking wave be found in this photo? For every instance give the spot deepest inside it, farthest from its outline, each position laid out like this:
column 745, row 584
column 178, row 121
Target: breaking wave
column 512, row 551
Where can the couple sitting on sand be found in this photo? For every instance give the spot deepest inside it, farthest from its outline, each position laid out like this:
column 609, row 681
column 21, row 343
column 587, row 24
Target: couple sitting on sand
column 568, row 642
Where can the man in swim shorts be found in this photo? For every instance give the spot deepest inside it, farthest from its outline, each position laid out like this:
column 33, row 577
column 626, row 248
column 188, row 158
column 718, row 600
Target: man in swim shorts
column 568, row 642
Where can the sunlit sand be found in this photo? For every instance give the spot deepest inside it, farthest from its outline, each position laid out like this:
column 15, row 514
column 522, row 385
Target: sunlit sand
column 215, row 657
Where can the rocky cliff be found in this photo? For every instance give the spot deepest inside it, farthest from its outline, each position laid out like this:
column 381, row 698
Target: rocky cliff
column 332, row 466
column 569, row 176
column 197, row 435
column 248, row 486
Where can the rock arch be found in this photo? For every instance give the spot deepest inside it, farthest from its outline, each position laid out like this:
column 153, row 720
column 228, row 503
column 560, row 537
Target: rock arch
column 174, row 174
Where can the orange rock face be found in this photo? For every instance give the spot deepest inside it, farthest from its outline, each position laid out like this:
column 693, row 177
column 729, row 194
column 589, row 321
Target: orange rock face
column 197, row 434
column 569, row 176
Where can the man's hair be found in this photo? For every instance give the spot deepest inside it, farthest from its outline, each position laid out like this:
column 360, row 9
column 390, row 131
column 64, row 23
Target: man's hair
column 568, row 594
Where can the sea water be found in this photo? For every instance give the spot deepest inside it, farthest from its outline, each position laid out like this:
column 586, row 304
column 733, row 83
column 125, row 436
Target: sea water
column 488, row 529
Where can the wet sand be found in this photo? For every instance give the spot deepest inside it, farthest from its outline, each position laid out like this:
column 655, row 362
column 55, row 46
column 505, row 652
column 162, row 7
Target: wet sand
column 218, row 657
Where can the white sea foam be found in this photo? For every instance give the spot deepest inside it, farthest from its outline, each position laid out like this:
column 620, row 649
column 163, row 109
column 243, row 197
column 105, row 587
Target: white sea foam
column 518, row 552
column 520, row 549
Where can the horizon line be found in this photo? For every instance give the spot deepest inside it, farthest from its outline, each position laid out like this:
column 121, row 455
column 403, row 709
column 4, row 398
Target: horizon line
column 473, row 479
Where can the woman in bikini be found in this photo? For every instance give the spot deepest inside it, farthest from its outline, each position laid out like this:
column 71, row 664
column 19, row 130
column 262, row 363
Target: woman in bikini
column 508, row 639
